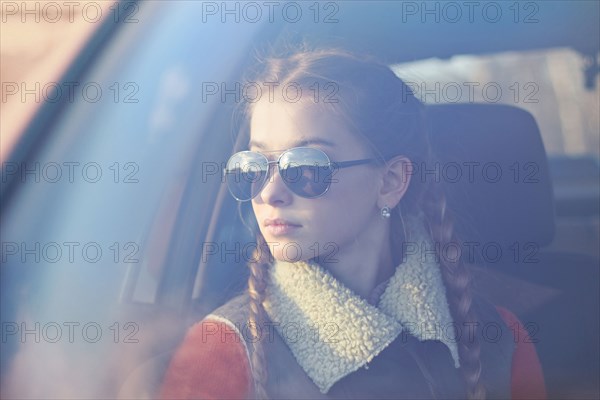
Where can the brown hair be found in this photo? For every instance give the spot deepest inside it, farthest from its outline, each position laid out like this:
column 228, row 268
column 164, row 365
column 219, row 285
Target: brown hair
column 381, row 110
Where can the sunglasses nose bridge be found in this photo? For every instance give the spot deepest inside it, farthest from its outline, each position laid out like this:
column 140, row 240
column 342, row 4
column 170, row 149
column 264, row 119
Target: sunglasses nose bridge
column 274, row 185
column 272, row 168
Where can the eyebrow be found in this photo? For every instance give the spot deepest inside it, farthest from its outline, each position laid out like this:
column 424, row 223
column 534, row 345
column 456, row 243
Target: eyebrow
column 305, row 142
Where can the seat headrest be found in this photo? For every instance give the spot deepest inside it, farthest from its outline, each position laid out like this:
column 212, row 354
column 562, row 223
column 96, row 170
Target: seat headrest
column 493, row 167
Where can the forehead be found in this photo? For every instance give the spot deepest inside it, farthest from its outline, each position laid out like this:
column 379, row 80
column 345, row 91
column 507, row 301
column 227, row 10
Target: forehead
column 280, row 125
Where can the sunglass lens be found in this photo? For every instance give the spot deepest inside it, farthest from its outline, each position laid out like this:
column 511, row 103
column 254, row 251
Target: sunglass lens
column 306, row 171
column 246, row 174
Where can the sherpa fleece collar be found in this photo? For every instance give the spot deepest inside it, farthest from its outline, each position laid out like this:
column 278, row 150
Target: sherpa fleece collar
column 332, row 331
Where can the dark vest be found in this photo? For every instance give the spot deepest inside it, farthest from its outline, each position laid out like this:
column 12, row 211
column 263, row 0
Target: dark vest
column 406, row 369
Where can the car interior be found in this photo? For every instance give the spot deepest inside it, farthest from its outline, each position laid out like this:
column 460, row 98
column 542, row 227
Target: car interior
column 538, row 221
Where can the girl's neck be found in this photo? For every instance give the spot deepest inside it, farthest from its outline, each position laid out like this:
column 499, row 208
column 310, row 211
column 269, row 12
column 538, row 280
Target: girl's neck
column 362, row 267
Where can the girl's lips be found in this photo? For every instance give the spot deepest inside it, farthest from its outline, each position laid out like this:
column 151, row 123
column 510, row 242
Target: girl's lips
column 280, row 226
column 281, row 229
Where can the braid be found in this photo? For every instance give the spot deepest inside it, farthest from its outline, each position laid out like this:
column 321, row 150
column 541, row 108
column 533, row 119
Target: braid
column 457, row 280
column 257, row 283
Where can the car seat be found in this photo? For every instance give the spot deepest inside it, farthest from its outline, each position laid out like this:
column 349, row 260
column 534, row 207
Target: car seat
column 505, row 208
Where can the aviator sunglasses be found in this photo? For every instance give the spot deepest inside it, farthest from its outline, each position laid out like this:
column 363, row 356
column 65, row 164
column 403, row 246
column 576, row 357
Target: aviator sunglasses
column 306, row 171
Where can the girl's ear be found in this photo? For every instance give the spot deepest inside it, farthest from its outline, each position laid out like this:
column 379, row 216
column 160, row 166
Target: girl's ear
column 395, row 180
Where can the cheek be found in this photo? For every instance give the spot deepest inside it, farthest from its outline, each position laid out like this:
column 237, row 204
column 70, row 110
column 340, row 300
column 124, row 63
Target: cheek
column 257, row 209
column 348, row 204
column 343, row 209
column 261, row 212
column 354, row 190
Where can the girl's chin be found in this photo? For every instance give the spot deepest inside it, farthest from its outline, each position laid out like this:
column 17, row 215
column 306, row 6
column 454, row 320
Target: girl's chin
column 294, row 251
column 291, row 258
column 290, row 252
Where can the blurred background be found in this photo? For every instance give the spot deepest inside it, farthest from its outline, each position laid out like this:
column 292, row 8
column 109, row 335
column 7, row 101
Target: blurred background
column 37, row 48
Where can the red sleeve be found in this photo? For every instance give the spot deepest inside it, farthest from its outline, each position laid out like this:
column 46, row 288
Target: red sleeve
column 527, row 381
column 211, row 363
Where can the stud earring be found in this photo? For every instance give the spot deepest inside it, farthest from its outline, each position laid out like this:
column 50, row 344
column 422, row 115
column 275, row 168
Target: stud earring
column 385, row 212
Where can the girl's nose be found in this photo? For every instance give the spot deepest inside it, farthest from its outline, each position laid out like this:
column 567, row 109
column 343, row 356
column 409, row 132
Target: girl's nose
column 275, row 191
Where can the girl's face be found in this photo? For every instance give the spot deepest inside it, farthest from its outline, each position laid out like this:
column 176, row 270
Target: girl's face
column 324, row 226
